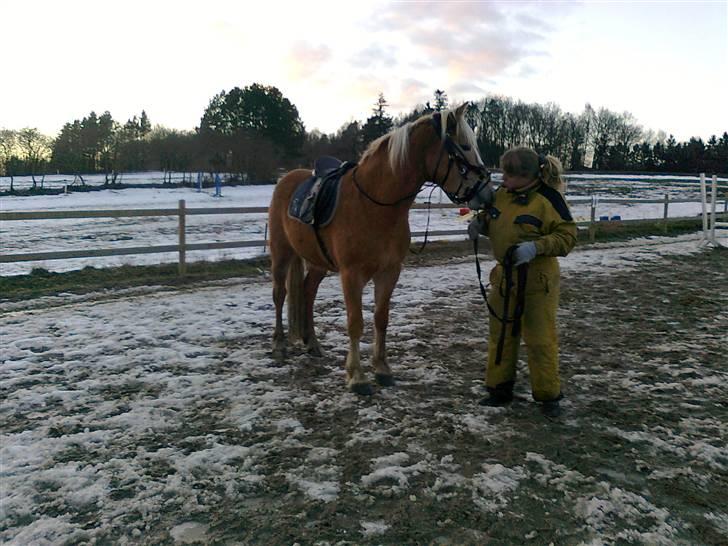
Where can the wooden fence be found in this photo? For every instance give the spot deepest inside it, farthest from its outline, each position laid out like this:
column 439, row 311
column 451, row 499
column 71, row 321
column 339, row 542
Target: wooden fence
column 182, row 246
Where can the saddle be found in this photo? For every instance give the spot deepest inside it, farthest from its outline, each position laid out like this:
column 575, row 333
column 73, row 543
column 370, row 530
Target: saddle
column 314, row 201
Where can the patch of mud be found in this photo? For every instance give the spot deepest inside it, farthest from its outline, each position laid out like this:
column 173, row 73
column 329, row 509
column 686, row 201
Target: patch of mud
column 164, row 420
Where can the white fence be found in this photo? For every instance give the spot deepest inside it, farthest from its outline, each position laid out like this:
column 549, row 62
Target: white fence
column 182, row 212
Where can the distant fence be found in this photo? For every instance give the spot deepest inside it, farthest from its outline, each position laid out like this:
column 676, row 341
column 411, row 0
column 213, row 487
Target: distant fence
column 77, row 182
column 182, row 246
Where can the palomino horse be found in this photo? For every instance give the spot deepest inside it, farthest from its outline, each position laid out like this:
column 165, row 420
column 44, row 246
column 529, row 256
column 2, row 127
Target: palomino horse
column 369, row 235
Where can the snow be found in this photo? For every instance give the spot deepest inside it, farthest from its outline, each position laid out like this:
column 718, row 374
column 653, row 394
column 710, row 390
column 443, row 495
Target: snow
column 492, row 488
column 108, row 386
column 96, row 233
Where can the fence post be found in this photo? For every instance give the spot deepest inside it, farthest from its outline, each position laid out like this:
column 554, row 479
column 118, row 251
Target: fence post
column 265, row 237
column 592, row 226
column 664, row 216
column 182, row 269
column 713, row 199
column 703, row 198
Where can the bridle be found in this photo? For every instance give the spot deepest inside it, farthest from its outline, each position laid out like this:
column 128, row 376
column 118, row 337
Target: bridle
column 456, row 156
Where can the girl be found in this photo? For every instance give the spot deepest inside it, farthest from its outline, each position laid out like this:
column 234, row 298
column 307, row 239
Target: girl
column 528, row 223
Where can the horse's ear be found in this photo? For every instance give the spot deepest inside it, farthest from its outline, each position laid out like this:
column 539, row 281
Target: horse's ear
column 452, row 122
column 460, row 111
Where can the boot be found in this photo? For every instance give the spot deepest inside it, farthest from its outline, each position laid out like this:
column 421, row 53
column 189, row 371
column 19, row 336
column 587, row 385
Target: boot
column 552, row 408
column 500, row 395
column 494, row 401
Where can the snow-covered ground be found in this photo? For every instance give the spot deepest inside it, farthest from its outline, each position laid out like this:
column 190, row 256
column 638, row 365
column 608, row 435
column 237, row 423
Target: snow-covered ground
column 154, row 416
column 158, row 177
column 75, row 234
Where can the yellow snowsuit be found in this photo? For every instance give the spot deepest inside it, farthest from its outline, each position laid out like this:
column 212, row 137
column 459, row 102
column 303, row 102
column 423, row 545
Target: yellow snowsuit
column 537, row 214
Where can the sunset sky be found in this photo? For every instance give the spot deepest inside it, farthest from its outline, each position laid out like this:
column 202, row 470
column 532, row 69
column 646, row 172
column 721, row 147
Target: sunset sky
column 665, row 62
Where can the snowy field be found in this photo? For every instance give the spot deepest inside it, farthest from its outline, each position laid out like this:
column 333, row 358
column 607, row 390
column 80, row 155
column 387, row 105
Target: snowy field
column 76, row 234
column 157, row 416
column 57, row 181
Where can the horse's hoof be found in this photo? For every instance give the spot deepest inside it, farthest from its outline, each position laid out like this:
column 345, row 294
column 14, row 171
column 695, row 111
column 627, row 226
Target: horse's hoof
column 385, row 380
column 365, row 389
column 279, row 353
column 315, row 350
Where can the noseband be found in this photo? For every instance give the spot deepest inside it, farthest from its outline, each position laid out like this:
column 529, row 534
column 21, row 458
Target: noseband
column 456, row 156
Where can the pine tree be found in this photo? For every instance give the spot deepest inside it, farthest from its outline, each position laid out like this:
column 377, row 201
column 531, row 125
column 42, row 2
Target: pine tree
column 379, row 123
column 440, row 100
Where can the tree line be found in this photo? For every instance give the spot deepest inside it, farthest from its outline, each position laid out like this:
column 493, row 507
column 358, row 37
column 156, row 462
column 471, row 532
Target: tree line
column 255, row 132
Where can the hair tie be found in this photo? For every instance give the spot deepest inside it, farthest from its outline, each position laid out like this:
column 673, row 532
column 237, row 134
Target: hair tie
column 541, row 160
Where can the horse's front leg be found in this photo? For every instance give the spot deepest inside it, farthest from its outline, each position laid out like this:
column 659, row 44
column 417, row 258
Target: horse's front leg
column 384, row 283
column 353, row 285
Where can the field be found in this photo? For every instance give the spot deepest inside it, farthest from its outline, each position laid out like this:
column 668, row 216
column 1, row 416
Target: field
column 157, row 416
column 95, row 233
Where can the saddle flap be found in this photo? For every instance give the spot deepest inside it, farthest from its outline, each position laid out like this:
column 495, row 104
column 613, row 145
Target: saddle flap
column 314, row 201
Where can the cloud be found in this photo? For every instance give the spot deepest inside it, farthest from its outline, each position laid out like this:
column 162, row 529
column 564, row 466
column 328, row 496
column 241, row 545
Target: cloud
column 467, row 88
column 476, row 40
column 304, row 59
column 375, row 56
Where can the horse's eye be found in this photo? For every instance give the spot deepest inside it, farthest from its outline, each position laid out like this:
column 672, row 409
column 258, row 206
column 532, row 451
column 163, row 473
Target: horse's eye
column 465, row 147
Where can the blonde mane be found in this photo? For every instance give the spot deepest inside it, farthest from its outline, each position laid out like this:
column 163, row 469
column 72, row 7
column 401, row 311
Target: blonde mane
column 398, row 140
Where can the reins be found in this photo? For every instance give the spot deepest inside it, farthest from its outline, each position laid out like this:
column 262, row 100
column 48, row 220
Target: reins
column 376, row 202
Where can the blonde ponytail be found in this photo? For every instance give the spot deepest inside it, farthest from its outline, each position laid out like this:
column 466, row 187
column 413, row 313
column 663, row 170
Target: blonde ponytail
column 522, row 161
column 551, row 171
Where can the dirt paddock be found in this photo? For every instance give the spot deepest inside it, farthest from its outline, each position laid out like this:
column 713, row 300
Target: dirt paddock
column 158, row 416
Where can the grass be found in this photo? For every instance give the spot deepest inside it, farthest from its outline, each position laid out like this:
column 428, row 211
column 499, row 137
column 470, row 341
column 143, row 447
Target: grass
column 41, row 282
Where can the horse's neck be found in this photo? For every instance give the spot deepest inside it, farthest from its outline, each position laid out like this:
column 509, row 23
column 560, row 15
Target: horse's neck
column 376, row 177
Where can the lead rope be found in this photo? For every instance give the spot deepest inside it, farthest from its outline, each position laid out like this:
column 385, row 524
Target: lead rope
column 522, row 271
column 427, row 226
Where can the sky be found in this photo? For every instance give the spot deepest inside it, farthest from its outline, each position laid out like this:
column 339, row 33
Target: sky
column 664, row 62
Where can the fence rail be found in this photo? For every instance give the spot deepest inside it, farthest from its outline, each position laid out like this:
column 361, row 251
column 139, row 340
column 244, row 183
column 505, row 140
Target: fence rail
column 182, row 247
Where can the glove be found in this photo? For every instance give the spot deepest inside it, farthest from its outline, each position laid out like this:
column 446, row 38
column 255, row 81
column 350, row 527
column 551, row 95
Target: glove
column 475, row 228
column 483, row 199
column 524, row 253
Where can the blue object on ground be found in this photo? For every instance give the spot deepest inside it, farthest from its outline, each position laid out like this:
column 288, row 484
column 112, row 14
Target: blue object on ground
column 218, row 185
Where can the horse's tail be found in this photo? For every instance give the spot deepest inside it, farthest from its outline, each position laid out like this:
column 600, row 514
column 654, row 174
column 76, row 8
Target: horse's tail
column 296, row 299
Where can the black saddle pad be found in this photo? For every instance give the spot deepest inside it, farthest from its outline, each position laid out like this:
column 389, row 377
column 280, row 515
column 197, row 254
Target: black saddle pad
column 314, row 201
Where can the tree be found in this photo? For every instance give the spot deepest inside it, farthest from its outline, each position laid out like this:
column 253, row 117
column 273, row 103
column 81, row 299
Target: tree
column 379, row 123
column 8, row 148
column 440, row 100
column 67, row 148
column 35, row 149
column 347, row 143
column 605, row 125
column 260, row 111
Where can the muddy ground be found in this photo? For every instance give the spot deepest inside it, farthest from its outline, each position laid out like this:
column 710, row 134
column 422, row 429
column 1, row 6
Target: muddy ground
column 218, row 443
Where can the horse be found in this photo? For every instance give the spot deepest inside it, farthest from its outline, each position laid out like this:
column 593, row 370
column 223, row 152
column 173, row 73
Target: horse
column 369, row 236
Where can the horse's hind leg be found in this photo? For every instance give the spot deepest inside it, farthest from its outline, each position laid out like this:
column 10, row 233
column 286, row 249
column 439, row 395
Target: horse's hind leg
column 280, row 261
column 384, row 283
column 353, row 285
column 314, row 276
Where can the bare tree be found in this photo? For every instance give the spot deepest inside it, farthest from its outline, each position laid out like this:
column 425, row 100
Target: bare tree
column 8, row 146
column 35, row 149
